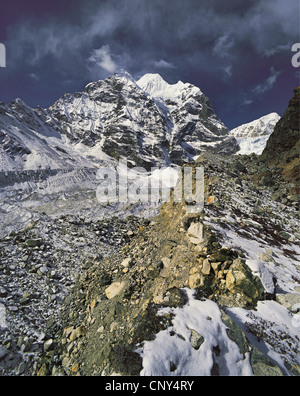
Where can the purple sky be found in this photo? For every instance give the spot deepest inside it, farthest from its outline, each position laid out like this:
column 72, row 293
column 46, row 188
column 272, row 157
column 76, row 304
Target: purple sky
column 238, row 52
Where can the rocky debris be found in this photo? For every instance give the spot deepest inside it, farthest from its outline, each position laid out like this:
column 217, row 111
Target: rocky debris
column 39, row 266
column 239, row 280
column 87, row 296
column 115, row 289
column 195, row 233
column 116, row 301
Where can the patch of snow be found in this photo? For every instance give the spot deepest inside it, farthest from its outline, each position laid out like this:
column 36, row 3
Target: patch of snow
column 277, row 328
column 172, row 354
column 250, row 145
column 262, row 126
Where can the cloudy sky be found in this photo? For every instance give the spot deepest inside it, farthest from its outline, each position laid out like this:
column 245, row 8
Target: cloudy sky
column 238, row 52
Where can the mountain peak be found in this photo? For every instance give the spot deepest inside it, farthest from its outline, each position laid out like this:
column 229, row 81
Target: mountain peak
column 124, row 74
column 260, row 127
column 253, row 136
column 156, row 86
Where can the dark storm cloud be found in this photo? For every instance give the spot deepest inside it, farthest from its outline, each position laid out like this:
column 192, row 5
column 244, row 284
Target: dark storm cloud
column 235, row 51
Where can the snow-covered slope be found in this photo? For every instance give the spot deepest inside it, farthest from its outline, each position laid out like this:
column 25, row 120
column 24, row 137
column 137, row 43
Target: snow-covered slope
column 253, row 136
column 29, row 140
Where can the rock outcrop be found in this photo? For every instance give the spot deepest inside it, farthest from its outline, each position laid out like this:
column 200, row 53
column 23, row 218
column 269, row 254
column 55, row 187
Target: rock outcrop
column 283, row 147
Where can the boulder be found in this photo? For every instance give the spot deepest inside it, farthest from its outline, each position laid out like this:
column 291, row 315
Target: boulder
column 127, row 262
column 241, row 282
column 195, row 233
column 115, row 289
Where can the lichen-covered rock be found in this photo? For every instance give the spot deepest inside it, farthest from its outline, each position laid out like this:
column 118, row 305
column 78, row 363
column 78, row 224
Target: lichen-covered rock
column 240, row 281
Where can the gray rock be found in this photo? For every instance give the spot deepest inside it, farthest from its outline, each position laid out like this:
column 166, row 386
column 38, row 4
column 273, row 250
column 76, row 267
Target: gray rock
column 284, row 235
column 48, row 345
column 127, row 262
column 196, row 339
column 3, row 292
column 206, row 267
column 266, row 257
column 34, row 242
column 262, row 365
column 290, row 300
column 3, row 353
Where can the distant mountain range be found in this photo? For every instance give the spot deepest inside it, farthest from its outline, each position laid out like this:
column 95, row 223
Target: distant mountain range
column 149, row 122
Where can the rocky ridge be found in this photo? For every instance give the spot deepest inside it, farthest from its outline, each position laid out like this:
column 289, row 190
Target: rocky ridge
column 165, row 258
column 238, row 254
column 39, row 266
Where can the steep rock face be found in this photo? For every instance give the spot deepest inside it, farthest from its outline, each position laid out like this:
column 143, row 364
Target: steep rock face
column 253, row 136
column 117, row 115
column 193, row 124
column 149, row 122
column 283, row 147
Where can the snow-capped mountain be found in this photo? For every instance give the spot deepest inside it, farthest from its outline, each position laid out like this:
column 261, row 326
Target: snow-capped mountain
column 149, row 122
column 253, row 136
column 193, row 125
column 29, row 140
